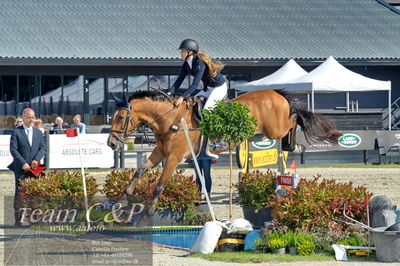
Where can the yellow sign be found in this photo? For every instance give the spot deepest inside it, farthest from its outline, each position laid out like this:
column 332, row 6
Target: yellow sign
column 266, row 157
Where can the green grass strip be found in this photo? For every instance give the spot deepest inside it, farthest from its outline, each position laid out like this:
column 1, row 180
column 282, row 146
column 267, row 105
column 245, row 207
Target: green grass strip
column 253, row 257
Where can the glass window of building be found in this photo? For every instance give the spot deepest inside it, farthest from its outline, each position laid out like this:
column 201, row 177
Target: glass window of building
column 137, row 83
column 8, row 96
column 8, row 101
column 51, row 96
column 234, row 80
column 116, row 87
column 163, row 80
column 96, row 100
column 185, row 84
column 29, row 93
column 72, row 95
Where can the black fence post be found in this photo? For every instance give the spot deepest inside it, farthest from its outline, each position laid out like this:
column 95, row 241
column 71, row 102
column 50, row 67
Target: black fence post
column 122, row 157
column 281, row 169
column 47, row 155
column 116, row 159
column 365, row 151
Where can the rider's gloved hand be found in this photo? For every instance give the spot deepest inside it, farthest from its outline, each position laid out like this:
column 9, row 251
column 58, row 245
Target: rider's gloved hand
column 170, row 91
column 178, row 101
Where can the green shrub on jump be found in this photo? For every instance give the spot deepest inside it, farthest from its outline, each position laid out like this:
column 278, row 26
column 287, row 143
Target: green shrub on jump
column 228, row 121
column 231, row 122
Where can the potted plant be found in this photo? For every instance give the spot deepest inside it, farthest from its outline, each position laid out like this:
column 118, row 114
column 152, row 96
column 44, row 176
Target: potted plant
column 256, row 189
column 291, row 238
column 277, row 245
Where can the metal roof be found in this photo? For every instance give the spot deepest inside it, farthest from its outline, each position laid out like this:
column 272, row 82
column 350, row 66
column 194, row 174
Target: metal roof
column 226, row 29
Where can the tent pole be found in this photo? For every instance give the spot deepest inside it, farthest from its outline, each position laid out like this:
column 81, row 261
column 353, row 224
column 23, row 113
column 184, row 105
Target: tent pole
column 347, row 101
column 390, row 109
column 308, row 102
column 312, row 100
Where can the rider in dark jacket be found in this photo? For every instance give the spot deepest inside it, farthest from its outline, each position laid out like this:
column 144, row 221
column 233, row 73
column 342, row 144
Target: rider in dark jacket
column 205, row 69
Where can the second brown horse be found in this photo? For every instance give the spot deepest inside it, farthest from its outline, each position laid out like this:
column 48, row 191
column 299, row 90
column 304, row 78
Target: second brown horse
column 276, row 113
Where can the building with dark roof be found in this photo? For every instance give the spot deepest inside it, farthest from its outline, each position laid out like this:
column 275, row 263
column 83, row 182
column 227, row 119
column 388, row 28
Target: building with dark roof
column 65, row 56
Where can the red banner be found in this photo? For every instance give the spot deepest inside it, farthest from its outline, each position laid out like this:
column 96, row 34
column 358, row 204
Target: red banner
column 285, row 180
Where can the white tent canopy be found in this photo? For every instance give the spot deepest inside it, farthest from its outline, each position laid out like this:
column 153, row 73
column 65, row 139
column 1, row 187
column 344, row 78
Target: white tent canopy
column 331, row 76
column 289, row 71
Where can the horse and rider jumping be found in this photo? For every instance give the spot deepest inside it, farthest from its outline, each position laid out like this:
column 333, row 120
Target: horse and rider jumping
column 275, row 111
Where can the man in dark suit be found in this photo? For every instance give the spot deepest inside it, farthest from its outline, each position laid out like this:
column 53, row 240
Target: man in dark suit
column 27, row 147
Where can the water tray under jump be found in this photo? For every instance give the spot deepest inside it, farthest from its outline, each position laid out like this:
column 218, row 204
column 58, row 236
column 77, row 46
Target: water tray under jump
column 173, row 238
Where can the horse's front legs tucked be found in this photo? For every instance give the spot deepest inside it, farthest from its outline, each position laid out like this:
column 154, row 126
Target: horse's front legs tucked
column 170, row 166
column 155, row 158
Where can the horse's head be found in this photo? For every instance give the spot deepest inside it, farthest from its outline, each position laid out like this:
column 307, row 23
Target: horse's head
column 123, row 123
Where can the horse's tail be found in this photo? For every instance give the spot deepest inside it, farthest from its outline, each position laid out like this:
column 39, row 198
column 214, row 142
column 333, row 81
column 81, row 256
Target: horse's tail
column 316, row 127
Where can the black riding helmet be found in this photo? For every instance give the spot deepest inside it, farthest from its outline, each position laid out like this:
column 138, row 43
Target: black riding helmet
column 190, row 45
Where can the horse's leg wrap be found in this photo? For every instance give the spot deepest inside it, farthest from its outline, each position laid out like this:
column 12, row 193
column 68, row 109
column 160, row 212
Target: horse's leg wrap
column 138, row 173
column 157, row 192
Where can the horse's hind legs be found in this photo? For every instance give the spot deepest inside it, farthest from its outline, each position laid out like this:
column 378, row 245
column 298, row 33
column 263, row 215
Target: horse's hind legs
column 289, row 141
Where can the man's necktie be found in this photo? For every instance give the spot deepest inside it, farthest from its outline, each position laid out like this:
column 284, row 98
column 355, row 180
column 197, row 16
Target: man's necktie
column 29, row 134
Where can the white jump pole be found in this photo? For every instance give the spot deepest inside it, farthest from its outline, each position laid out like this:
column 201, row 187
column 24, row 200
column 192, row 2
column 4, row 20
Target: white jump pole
column 197, row 168
column 83, row 180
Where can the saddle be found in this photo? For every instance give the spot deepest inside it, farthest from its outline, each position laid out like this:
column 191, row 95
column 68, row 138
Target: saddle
column 198, row 104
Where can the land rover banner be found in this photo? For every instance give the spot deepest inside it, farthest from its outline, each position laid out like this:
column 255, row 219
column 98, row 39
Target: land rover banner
column 257, row 145
column 350, row 140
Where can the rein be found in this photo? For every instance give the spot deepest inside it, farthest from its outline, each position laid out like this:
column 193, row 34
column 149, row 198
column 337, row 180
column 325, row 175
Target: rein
column 174, row 127
column 129, row 118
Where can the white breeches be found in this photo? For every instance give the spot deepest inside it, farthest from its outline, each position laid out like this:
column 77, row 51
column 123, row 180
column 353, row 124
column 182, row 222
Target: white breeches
column 213, row 95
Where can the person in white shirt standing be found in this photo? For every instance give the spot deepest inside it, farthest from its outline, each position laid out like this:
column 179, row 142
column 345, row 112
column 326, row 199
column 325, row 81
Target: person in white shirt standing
column 27, row 147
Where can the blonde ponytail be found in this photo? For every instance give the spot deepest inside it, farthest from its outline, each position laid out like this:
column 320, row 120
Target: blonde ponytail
column 214, row 66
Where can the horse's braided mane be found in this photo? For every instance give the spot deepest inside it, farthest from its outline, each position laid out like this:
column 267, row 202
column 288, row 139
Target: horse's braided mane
column 154, row 95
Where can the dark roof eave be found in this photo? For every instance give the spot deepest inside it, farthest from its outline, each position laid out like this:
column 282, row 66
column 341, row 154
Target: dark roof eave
column 176, row 62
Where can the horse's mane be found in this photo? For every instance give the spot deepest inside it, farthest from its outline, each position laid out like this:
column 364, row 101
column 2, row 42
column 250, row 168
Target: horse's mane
column 154, row 95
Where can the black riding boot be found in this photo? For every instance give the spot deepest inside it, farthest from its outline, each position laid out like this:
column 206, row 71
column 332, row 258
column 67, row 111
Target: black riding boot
column 205, row 151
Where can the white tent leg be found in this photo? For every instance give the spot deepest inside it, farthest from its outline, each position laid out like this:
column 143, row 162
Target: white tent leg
column 390, row 109
column 347, row 101
column 312, row 100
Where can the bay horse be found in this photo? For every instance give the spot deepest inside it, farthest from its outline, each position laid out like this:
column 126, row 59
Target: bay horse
column 276, row 113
